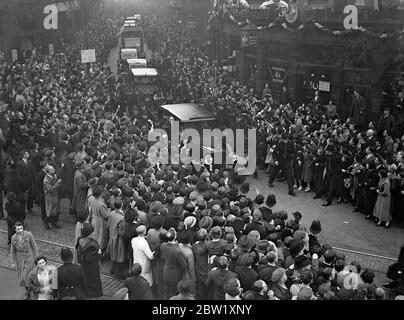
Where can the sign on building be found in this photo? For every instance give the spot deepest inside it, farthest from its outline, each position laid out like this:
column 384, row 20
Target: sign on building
column 88, row 56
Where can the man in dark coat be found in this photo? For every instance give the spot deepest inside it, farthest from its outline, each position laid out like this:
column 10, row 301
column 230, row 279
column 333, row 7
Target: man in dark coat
column 357, row 112
column 245, row 273
column 283, row 155
column 174, row 262
column 138, row 287
column 217, row 278
column 67, row 176
column 24, row 178
column 386, row 122
column 14, row 213
column 70, row 282
column 41, row 194
column 331, row 179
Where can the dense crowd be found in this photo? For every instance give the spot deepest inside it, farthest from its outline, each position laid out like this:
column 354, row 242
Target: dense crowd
column 181, row 231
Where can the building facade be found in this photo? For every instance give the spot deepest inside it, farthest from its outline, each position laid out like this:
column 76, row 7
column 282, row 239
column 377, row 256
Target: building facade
column 307, row 48
column 22, row 22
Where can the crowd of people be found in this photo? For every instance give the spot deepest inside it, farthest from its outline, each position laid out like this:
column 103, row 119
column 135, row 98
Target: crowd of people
column 181, row 231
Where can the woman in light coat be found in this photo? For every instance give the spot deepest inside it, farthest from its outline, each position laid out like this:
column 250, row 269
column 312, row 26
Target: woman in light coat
column 51, row 186
column 142, row 253
column 381, row 210
column 99, row 214
column 23, row 252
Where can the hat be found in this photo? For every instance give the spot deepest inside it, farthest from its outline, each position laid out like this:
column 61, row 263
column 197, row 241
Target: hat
column 190, row 221
column 48, row 153
column 193, row 196
column 277, row 275
column 214, row 186
column 295, row 248
column 259, row 199
column 179, row 200
column 305, row 293
column 95, row 165
column 201, row 186
column 245, row 187
column 121, row 182
column 156, row 206
column 245, row 243
column 190, row 207
column 79, row 164
column 315, row 227
column 271, row 200
column 221, row 191
column 206, row 223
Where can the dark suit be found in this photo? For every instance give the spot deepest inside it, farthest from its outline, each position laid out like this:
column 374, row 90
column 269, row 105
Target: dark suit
column 71, row 281
column 174, row 268
column 138, row 288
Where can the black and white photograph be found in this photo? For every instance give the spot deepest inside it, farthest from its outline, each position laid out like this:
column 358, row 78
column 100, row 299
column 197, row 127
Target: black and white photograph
column 216, row 151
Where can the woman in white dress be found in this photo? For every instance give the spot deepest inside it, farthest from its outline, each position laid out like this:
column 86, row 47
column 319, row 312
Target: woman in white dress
column 142, row 254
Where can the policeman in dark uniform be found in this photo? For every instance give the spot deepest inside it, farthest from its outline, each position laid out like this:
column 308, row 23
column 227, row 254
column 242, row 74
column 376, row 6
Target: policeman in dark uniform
column 283, row 155
column 331, row 179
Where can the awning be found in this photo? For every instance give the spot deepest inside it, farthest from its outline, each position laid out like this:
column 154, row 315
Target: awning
column 189, row 112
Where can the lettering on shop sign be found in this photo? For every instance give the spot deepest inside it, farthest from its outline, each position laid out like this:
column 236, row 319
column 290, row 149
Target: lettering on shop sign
column 50, row 21
column 351, row 20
